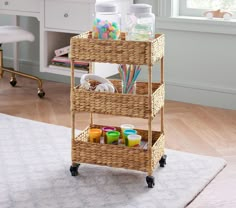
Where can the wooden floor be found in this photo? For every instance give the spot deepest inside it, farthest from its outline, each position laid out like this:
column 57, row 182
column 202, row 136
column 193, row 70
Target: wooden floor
column 191, row 128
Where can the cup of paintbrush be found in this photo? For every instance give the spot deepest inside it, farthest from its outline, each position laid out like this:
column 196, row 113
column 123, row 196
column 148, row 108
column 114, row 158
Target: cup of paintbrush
column 128, row 80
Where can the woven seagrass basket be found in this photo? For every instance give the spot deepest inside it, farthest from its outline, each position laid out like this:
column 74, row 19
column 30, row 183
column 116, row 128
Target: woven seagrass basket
column 84, row 48
column 146, row 103
column 132, row 105
column 118, row 156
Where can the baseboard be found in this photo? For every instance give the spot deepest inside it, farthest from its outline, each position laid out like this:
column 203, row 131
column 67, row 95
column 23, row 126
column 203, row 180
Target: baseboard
column 33, row 68
column 183, row 92
column 24, row 64
column 203, row 95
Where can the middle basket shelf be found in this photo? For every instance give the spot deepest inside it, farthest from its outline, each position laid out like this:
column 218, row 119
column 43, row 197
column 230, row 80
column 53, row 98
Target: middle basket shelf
column 131, row 105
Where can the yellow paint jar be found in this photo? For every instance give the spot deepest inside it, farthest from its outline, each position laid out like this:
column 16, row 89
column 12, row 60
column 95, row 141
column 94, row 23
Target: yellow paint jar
column 134, row 140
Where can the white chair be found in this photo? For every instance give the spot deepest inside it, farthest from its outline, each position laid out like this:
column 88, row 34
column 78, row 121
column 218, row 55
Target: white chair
column 11, row 34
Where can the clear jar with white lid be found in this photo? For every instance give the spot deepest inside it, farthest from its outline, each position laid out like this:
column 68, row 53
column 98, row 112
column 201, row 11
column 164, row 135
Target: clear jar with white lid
column 140, row 23
column 107, row 21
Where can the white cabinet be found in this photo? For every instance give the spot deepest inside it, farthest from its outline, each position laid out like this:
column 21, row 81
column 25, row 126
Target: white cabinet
column 71, row 17
column 17, row 5
column 68, row 15
column 59, row 21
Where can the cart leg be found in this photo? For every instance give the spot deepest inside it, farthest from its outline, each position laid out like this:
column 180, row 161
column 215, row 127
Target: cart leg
column 150, row 181
column 162, row 161
column 74, row 169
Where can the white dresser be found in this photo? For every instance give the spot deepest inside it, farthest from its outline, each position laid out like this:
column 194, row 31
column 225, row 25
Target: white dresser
column 59, row 21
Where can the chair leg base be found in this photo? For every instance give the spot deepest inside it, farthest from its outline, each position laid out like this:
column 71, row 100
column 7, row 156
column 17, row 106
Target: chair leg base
column 13, row 81
column 41, row 93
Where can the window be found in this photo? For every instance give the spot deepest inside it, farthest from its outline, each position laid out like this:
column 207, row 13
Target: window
column 198, row 7
column 187, row 15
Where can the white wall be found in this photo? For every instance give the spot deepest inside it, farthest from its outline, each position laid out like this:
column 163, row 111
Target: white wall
column 200, row 67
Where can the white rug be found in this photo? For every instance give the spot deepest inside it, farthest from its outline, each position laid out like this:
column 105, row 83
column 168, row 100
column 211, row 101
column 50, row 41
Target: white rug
column 34, row 173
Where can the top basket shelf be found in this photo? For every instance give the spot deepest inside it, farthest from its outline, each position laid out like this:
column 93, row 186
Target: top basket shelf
column 85, row 48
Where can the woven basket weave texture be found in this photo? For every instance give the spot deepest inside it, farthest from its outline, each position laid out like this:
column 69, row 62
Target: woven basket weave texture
column 118, row 156
column 85, row 48
column 141, row 105
column 132, row 105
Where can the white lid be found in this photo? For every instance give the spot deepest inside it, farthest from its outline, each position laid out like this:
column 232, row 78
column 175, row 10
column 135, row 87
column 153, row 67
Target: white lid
column 127, row 126
column 106, row 7
column 140, row 8
column 134, row 137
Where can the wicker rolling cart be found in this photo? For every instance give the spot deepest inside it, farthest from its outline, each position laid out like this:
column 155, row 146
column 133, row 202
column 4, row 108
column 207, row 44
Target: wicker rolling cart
column 146, row 103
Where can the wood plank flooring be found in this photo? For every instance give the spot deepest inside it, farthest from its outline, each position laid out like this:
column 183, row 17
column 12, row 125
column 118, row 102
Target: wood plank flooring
column 190, row 128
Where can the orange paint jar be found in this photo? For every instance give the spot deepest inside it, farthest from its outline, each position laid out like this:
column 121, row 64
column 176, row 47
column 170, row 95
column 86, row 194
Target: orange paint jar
column 95, row 135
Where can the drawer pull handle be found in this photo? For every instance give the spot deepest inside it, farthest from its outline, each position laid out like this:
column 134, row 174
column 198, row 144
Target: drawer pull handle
column 6, row 3
column 66, row 15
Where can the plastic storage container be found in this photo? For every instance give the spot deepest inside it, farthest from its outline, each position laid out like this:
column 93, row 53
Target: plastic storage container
column 105, row 130
column 94, row 135
column 107, row 21
column 113, row 137
column 140, row 23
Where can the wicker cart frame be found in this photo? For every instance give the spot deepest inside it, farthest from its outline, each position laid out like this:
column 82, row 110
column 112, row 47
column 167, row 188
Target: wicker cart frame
column 146, row 103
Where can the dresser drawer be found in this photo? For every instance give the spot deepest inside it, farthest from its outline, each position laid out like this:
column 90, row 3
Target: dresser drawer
column 68, row 15
column 17, row 5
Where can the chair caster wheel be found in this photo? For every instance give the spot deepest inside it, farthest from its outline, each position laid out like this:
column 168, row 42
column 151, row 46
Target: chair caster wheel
column 41, row 93
column 74, row 170
column 13, row 82
column 150, row 181
column 162, row 161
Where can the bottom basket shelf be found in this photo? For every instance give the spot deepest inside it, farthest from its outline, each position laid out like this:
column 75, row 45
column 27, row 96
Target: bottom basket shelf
column 119, row 156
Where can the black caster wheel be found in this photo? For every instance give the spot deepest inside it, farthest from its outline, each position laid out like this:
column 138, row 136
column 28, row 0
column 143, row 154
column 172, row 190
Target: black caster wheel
column 41, row 93
column 150, row 181
column 13, row 82
column 74, row 170
column 162, row 161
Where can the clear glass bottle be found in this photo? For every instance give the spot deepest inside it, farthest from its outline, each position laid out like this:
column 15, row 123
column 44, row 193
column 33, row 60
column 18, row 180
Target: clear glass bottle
column 140, row 22
column 107, row 21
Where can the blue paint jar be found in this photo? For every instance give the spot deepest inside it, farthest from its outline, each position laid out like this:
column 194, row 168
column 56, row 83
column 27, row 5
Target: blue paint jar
column 128, row 132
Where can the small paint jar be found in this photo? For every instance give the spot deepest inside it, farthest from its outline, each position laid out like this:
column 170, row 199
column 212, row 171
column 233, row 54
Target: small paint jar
column 105, row 130
column 128, row 132
column 95, row 135
column 123, row 127
column 133, row 140
column 113, row 137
